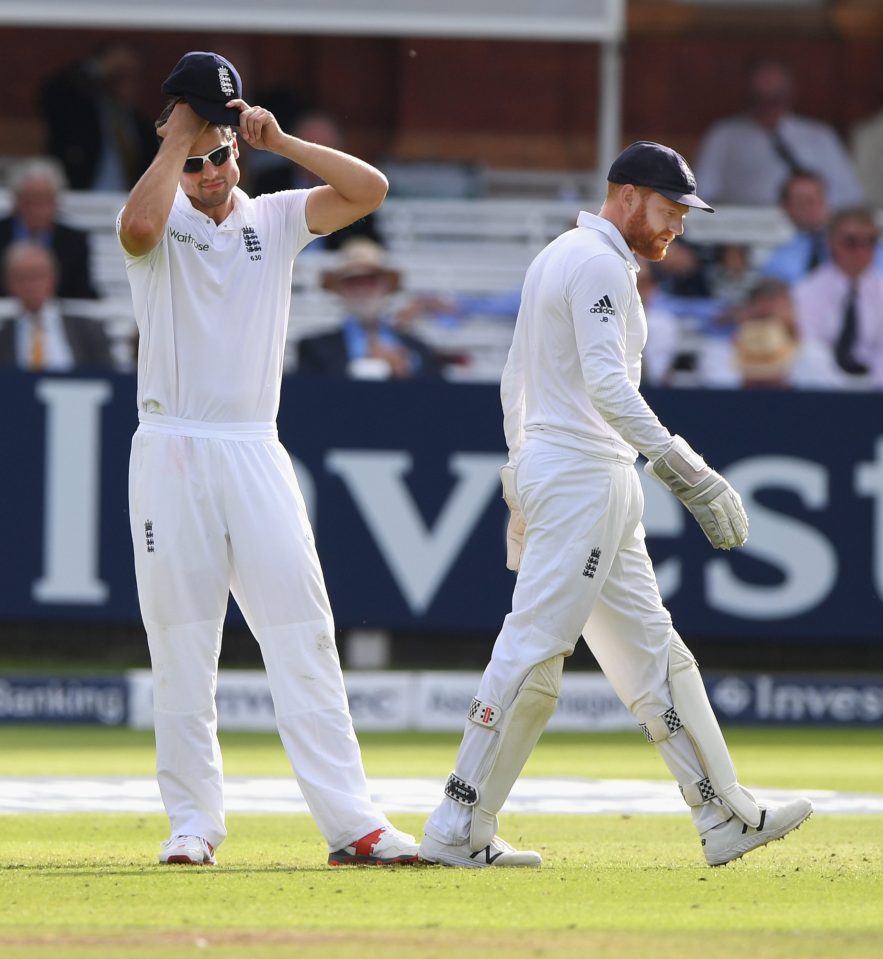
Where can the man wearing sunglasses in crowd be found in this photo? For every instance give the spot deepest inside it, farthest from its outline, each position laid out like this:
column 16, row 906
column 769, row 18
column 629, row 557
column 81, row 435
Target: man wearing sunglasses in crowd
column 214, row 503
column 839, row 305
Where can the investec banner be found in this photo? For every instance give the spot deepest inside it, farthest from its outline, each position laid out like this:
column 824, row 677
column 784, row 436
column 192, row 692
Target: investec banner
column 401, row 482
column 440, row 700
column 102, row 701
column 393, row 701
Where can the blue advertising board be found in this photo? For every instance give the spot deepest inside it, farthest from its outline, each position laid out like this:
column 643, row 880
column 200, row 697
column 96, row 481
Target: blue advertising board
column 401, row 480
column 103, row 701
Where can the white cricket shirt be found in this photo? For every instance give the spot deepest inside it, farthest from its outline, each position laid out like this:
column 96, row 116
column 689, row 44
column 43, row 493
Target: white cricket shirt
column 211, row 303
column 575, row 362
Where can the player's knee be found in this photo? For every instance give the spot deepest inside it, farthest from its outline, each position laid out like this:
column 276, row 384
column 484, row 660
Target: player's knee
column 538, row 694
column 680, row 658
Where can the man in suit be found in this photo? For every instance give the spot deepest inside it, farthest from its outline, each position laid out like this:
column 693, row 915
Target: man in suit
column 34, row 219
column 38, row 336
column 93, row 122
column 369, row 344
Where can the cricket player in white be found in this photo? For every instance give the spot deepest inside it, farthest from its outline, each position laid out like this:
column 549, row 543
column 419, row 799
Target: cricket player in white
column 214, row 504
column 574, row 419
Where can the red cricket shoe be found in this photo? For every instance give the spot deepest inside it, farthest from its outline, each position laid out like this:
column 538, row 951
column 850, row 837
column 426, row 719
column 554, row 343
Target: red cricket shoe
column 383, row 847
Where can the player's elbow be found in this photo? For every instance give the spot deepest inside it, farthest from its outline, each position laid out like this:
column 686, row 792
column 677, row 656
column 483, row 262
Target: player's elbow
column 138, row 234
column 376, row 193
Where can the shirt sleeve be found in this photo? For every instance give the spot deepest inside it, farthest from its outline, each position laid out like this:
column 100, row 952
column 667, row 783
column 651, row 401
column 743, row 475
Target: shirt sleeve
column 131, row 258
column 293, row 204
column 512, row 398
column 600, row 331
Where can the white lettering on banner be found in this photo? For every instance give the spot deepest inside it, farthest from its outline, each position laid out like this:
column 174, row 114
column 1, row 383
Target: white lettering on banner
column 869, row 482
column 805, row 557
column 663, row 516
column 71, row 492
column 798, row 702
column 418, row 557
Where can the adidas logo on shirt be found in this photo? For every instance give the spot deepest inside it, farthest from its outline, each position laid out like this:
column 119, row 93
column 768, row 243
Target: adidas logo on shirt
column 603, row 306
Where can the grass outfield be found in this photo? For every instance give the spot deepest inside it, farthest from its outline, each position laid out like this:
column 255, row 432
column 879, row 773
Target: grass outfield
column 76, row 886
column 849, row 760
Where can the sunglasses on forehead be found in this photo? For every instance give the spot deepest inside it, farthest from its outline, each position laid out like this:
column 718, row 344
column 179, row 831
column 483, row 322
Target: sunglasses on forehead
column 218, row 158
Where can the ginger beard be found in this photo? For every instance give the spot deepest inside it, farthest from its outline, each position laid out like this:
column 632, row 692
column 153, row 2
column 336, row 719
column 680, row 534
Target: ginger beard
column 643, row 238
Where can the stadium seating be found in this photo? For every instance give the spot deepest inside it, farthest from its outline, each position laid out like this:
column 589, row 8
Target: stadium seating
column 442, row 246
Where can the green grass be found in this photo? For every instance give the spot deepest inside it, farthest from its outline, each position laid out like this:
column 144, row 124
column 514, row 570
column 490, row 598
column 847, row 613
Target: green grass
column 613, row 887
column 92, row 881
column 843, row 759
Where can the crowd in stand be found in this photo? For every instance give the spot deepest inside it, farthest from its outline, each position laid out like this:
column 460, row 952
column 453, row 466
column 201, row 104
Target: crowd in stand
column 807, row 313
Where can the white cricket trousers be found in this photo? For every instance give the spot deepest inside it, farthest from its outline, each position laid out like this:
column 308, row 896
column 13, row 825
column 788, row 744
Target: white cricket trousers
column 216, row 508
column 584, row 570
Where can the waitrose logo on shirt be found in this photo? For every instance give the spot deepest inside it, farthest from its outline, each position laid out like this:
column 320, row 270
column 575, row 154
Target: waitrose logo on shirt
column 187, row 238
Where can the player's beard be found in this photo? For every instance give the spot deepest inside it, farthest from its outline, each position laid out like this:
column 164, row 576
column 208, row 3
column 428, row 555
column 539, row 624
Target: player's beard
column 642, row 238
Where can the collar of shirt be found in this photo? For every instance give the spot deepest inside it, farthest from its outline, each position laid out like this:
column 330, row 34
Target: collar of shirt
column 356, row 337
column 21, row 232
column 592, row 221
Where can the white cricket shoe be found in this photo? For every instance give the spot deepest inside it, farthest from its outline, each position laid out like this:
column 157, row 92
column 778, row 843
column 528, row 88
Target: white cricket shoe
column 733, row 838
column 187, row 850
column 383, row 847
column 497, row 853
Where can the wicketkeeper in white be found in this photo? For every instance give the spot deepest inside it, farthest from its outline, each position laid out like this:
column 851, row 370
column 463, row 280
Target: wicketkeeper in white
column 574, row 419
column 214, row 504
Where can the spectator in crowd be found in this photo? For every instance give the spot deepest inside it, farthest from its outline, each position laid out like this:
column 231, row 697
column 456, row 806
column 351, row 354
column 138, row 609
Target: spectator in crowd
column 321, row 128
column 684, row 271
column 93, row 122
column 765, row 349
column 369, row 343
column 745, row 159
column 840, row 303
column 39, row 336
column 804, row 200
column 35, row 190
column 731, row 272
column 866, row 142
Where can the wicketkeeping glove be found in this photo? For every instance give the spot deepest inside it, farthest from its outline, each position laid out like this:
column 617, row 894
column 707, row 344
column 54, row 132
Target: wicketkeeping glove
column 517, row 522
column 706, row 494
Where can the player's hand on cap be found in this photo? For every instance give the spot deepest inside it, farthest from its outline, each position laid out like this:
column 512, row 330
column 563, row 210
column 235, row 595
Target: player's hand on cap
column 184, row 123
column 715, row 505
column 257, row 126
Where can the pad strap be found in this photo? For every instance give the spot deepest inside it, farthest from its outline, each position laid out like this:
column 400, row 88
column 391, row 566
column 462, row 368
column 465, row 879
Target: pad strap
column 662, row 727
column 484, row 714
column 698, row 793
column 461, row 791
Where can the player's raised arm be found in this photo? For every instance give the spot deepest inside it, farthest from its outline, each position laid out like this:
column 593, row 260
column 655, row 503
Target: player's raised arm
column 147, row 210
column 354, row 187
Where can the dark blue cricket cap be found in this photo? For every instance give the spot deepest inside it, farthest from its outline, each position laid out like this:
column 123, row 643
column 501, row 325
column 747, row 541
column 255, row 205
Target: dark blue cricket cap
column 206, row 81
column 660, row 168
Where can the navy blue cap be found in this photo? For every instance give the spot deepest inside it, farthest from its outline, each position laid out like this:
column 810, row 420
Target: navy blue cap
column 660, row 168
column 206, row 81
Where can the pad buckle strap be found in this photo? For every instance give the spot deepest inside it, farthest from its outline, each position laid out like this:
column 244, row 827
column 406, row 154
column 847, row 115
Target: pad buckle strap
column 484, row 714
column 461, row 791
column 662, row 727
column 698, row 793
